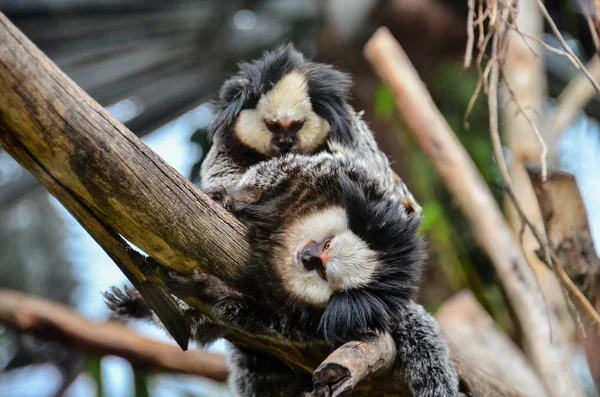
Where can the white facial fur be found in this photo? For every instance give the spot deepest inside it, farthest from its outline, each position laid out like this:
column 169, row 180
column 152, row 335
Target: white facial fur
column 351, row 262
column 287, row 101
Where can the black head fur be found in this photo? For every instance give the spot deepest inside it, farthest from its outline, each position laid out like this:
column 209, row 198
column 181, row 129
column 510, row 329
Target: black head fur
column 393, row 234
column 328, row 89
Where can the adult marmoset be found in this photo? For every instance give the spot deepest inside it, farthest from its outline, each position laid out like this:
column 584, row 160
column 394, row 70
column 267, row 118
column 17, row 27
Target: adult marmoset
column 285, row 103
column 334, row 257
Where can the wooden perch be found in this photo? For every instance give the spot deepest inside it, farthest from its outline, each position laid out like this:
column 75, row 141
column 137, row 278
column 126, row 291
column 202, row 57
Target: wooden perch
column 568, row 229
column 550, row 355
column 341, row 371
column 570, row 238
column 52, row 321
column 49, row 121
column 118, row 189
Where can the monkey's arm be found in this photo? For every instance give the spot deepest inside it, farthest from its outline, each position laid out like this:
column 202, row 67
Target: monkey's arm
column 233, row 307
column 219, row 169
column 423, row 354
column 127, row 304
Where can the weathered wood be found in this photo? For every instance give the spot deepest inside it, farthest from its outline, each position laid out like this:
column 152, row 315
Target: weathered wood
column 106, row 168
column 52, row 321
column 568, row 229
column 550, row 355
column 341, row 371
column 569, row 235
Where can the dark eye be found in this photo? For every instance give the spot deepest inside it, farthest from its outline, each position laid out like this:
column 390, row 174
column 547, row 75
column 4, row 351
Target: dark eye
column 327, row 244
column 272, row 126
column 296, row 126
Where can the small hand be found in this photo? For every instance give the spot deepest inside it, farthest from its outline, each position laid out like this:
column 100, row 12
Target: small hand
column 221, row 196
column 125, row 303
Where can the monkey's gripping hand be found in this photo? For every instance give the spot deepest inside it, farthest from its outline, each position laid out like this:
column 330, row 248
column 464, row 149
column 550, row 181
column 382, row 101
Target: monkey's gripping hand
column 423, row 354
column 233, row 307
column 127, row 304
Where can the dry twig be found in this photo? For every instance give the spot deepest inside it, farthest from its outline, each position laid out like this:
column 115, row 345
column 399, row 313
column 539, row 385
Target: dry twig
column 547, row 255
column 489, row 79
column 565, row 46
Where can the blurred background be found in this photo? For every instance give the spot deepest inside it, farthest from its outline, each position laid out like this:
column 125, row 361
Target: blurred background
column 156, row 65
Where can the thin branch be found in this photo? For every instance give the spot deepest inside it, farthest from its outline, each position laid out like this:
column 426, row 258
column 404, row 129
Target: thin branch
column 544, row 154
column 503, row 168
column 472, row 102
column 52, row 321
column 589, row 8
column 481, row 18
column 565, row 46
column 575, row 292
column 570, row 103
column 470, row 34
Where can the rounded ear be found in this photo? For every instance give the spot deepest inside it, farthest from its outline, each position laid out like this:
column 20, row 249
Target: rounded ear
column 232, row 88
column 235, row 93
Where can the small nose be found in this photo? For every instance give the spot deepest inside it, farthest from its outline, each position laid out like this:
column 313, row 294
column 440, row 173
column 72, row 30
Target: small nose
column 285, row 143
column 309, row 256
column 311, row 262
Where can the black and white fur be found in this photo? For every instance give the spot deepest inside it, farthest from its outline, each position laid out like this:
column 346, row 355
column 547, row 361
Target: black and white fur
column 373, row 259
column 309, row 99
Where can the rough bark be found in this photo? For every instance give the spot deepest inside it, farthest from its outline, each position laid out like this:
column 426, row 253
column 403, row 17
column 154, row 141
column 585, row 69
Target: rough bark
column 568, row 229
column 570, row 237
column 353, row 362
column 550, row 355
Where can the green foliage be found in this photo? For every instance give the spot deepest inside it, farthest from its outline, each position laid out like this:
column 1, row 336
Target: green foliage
column 94, row 369
column 141, row 384
column 384, row 107
column 432, row 214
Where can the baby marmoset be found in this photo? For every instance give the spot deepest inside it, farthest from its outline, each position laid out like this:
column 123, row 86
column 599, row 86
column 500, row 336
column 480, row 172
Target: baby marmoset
column 334, row 256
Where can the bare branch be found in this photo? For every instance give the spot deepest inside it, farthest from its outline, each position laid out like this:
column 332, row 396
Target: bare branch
column 544, row 154
column 52, row 321
column 343, row 369
column 565, row 46
column 570, row 103
column 470, row 33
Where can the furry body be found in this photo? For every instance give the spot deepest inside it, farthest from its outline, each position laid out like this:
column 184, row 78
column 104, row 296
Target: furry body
column 283, row 87
column 276, row 199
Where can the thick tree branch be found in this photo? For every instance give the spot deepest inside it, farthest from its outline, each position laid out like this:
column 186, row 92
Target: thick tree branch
column 549, row 354
column 52, row 321
column 46, row 117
